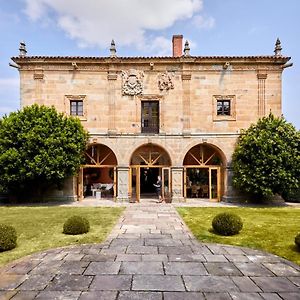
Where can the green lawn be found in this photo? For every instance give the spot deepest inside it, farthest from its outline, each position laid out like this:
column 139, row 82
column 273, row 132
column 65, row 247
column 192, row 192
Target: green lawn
column 269, row 229
column 40, row 228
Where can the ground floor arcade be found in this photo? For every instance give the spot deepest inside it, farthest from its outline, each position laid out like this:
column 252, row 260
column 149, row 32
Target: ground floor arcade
column 201, row 172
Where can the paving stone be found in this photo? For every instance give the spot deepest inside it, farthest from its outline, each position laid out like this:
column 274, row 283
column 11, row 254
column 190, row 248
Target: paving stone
column 162, row 242
column 290, row 296
column 185, row 268
column 190, row 257
column 175, row 250
column 73, row 267
column 281, row 269
column 154, row 257
column 111, row 283
column 142, row 250
column 245, row 284
column 216, row 249
column 127, row 242
column 233, row 250
column 23, row 267
column 295, row 280
column 129, row 257
column 66, row 282
column 270, row 296
column 58, row 295
column 141, row 268
column 263, row 258
column 217, row 296
column 74, row 256
column 97, row 268
column 36, row 282
column 99, row 257
column 215, row 258
column 209, row 284
column 6, row 295
column 47, row 267
column 183, row 296
column 222, row 269
column 197, row 249
column 98, row 295
column 155, row 235
column 275, row 284
column 11, row 281
column 24, row 295
column 157, row 283
column 237, row 258
column 245, row 296
column 253, row 269
column 128, row 295
column 114, row 250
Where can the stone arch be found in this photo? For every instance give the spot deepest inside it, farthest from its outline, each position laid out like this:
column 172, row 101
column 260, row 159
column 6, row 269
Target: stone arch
column 99, row 154
column 150, row 154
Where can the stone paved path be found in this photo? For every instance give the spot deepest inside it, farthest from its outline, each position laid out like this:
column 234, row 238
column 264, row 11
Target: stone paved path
column 151, row 255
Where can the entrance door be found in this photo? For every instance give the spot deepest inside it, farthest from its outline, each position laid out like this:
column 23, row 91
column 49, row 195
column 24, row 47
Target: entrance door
column 166, row 182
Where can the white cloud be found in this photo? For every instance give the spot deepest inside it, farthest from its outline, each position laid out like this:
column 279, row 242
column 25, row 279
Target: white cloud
column 203, row 22
column 96, row 22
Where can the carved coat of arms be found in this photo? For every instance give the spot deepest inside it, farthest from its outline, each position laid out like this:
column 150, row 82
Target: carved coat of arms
column 165, row 81
column 132, row 82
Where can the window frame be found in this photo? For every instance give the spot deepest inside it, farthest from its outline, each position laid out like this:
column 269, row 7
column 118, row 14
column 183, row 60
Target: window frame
column 232, row 108
column 76, row 98
column 156, row 129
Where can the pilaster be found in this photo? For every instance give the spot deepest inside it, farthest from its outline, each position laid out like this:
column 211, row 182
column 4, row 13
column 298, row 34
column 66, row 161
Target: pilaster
column 261, row 77
column 186, row 102
column 123, row 183
column 177, row 184
column 112, row 78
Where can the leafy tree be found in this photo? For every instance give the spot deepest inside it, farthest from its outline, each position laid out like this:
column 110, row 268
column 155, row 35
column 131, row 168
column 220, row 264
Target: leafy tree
column 39, row 147
column 266, row 160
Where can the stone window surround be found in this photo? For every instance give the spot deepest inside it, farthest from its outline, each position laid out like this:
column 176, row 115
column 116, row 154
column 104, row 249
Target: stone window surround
column 69, row 98
column 232, row 116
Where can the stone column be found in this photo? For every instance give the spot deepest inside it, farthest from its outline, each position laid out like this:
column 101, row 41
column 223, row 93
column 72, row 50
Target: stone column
column 112, row 77
column 177, row 184
column 122, row 183
column 261, row 94
column 186, row 102
column 230, row 193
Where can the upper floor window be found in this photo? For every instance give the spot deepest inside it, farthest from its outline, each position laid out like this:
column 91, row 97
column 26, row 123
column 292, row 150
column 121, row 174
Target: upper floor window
column 76, row 108
column 223, row 107
column 150, row 117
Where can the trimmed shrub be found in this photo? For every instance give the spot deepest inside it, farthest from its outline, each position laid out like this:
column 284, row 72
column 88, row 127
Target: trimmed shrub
column 297, row 240
column 227, row 224
column 76, row 225
column 8, row 237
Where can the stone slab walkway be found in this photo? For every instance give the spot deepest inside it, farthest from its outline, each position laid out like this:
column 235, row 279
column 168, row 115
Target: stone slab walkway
column 151, row 254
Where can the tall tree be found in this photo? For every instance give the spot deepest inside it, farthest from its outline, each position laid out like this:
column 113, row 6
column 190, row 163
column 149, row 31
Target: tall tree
column 266, row 160
column 39, row 147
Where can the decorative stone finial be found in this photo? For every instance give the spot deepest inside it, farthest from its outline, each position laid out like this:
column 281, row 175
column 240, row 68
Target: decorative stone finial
column 278, row 48
column 22, row 49
column 112, row 49
column 186, row 50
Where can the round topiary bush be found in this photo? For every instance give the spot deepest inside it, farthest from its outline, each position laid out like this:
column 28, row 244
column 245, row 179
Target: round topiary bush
column 8, row 237
column 297, row 240
column 76, row 225
column 227, row 224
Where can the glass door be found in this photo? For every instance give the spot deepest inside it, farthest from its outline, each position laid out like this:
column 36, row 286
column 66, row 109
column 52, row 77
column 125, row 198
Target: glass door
column 214, row 184
column 166, row 183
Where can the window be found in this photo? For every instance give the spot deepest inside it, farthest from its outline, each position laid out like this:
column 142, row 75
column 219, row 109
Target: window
column 223, row 107
column 76, row 108
column 150, row 117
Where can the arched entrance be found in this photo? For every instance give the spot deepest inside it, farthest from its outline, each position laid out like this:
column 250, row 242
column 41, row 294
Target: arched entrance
column 147, row 162
column 203, row 172
column 98, row 175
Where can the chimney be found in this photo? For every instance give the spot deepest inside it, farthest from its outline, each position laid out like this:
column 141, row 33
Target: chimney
column 177, row 45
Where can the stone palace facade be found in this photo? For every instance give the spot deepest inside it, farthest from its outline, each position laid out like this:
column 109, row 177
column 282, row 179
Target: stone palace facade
column 177, row 117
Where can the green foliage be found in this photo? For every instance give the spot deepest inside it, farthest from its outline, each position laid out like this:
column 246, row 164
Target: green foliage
column 76, row 225
column 266, row 160
column 297, row 240
column 8, row 237
column 227, row 224
column 39, row 147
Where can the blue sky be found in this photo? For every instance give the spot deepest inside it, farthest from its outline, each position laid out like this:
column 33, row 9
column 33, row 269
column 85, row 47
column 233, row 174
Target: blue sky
column 145, row 27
